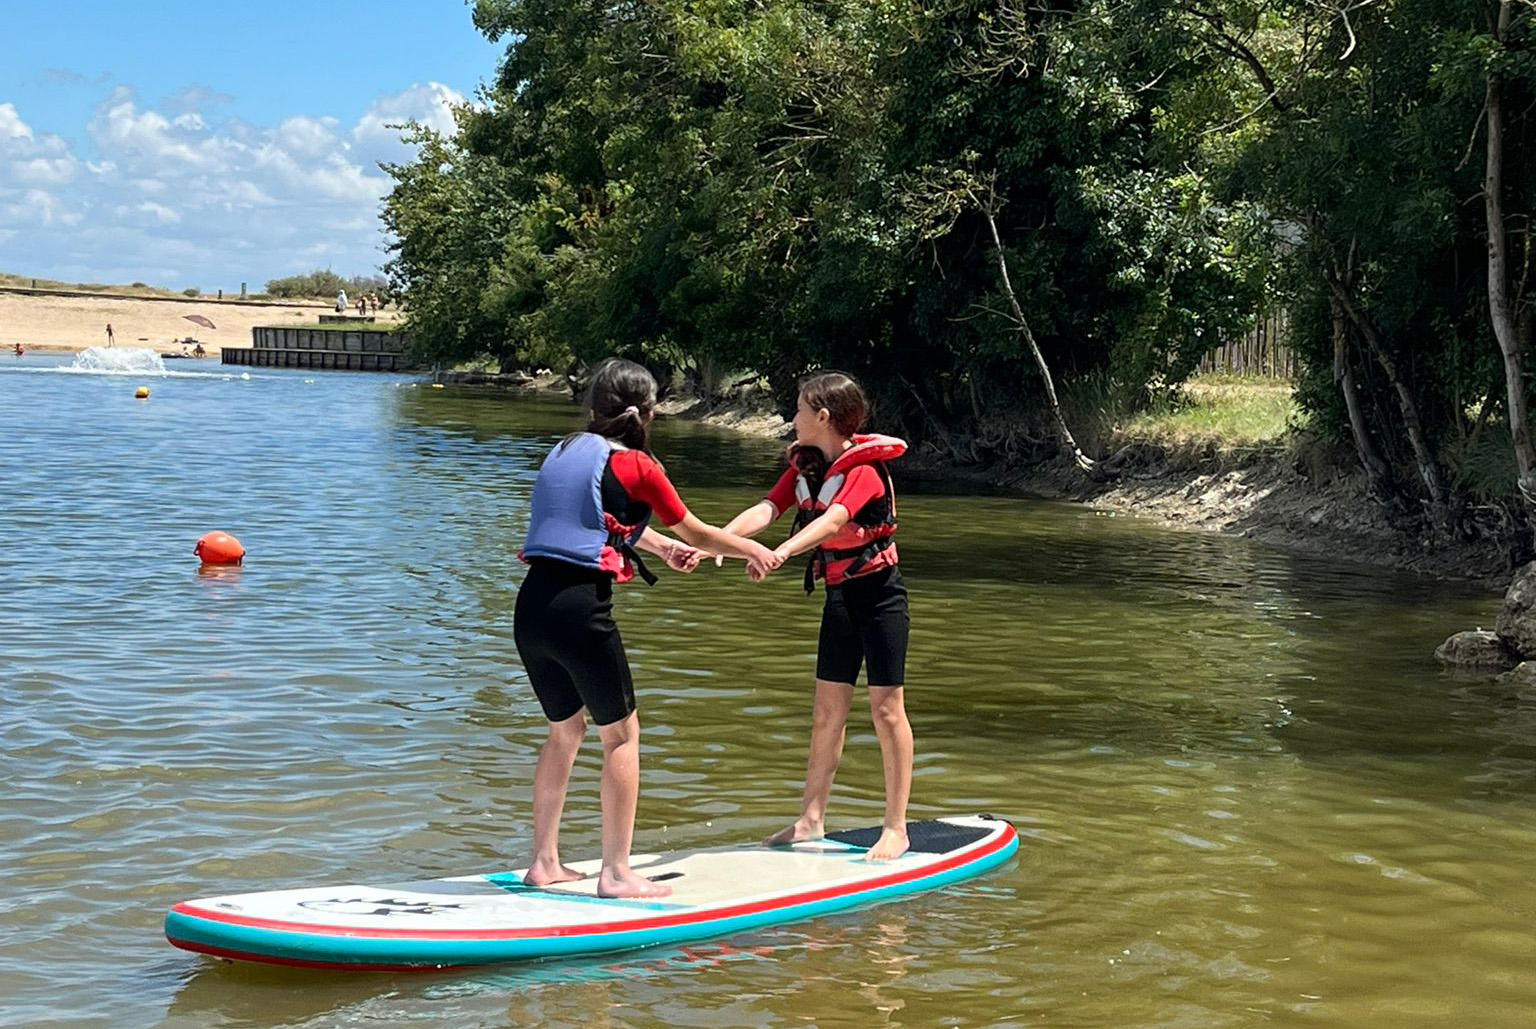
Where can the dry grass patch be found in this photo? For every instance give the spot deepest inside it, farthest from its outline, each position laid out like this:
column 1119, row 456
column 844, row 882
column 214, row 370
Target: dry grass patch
column 1230, row 411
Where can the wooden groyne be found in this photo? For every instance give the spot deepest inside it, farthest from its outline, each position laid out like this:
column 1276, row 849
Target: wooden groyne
column 339, row 348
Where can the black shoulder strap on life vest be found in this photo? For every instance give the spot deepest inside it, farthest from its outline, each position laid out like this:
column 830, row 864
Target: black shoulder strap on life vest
column 620, row 542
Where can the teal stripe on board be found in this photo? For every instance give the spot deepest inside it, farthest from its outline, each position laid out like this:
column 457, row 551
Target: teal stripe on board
column 296, row 946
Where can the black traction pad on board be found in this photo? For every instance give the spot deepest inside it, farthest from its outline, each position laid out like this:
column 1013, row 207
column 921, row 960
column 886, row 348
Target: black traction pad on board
column 924, row 837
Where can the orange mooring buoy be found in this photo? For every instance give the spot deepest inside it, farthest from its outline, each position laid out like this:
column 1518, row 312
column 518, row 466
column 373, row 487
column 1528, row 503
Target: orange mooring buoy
column 142, row 393
column 219, row 548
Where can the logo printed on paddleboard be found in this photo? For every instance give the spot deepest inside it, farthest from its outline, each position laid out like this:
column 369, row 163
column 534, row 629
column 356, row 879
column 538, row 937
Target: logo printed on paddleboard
column 375, row 906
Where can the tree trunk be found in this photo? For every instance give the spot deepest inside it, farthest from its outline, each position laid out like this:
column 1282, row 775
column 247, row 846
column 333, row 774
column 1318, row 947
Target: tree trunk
column 1378, row 476
column 1429, row 467
column 1086, row 463
column 1500, row 308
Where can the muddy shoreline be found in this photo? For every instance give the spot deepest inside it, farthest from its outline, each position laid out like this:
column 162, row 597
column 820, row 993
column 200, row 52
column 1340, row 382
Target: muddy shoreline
column 1305, row 499
column 1311, row 508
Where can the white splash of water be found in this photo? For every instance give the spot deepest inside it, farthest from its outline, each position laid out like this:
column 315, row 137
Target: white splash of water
column 118, row 361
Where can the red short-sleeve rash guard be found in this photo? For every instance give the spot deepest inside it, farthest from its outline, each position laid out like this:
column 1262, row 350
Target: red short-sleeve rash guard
column 644, row 480
column 861, row 486
column 782, row 496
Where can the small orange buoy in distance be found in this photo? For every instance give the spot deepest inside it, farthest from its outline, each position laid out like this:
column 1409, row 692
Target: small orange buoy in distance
column 219, row 548
column 142, row 393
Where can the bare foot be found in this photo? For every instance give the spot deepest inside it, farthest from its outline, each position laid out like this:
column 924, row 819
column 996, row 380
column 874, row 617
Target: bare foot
column 540, row 874
column 892, row 844
column 629, row 883
column 804, row 829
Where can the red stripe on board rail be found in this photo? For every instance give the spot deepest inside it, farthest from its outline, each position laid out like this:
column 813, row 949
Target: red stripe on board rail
column 272, row 959
column 960, row 858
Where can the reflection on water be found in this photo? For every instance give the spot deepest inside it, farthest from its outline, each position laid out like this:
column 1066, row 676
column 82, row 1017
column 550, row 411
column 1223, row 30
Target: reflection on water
column 1245, row 793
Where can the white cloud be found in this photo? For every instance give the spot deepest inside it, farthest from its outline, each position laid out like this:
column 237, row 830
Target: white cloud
column 43, row 171
column 147, row 139
column 36, row 208
column 164, row 215
column 308, row 137
column 429, row 104
column 170, row 193
column 241, row 193
column 27, row 159
column 11, row 125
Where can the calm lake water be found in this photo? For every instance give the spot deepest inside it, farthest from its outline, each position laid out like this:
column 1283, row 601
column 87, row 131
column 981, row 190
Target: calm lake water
column 1247, row 795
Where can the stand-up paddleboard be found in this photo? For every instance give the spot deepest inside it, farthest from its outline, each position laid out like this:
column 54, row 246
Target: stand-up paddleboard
column 484, row 919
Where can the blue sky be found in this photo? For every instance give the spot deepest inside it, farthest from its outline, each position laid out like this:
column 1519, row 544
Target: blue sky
column 196, row 144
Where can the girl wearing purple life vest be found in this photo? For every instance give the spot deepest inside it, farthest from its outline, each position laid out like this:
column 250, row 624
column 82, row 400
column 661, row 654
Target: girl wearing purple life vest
column 591, row 505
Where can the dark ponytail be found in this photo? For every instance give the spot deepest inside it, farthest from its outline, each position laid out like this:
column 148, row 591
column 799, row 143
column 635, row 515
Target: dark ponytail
column 809, row 462
column 622, row 398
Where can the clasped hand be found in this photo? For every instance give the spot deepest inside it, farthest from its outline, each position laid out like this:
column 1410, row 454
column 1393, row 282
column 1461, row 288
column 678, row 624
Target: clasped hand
column 681, row 557
column 762, row 562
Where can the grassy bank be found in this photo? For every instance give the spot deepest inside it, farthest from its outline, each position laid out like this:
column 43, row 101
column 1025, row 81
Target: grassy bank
column 1234, row 454
column 140, row 291
column 136, row 289
column 1233, row 411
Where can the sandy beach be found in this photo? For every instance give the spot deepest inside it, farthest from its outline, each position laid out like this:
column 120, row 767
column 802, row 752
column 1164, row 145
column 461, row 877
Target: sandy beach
column 75, row 322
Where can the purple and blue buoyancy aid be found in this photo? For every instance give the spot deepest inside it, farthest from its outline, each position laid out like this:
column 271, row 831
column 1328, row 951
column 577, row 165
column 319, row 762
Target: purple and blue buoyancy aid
column 568, row 522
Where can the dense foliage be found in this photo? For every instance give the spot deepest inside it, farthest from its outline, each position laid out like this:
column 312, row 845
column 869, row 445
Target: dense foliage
column 325, row 283
column 725, row 187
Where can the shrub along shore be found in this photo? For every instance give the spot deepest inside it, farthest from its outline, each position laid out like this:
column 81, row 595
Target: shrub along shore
column 1232, row 455
column 1022, row 227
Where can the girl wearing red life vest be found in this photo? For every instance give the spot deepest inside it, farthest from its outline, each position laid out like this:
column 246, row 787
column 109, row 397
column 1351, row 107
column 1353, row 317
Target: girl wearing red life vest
column 846, row 519
column 589, row 511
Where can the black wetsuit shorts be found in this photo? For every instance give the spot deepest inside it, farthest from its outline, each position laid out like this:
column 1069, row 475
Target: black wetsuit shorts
column 865, row 621
column 564, row 630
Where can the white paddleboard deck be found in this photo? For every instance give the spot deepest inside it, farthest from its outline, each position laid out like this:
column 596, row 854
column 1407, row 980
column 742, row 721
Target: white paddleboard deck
column 484, row 919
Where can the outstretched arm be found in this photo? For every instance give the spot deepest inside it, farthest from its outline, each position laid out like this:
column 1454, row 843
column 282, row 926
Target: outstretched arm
column 813, row 535
column 751, row 522
column 717, row 541
column 754, row 519
column 680, row 557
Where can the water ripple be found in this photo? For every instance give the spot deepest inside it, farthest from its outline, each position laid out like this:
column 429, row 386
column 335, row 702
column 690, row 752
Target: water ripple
column 1244, row 793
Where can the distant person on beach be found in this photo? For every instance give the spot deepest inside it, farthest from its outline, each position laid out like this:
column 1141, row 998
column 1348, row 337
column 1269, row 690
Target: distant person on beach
column 109, row 334
column 198, row 351
column 362, row 305
column 341, row 301
column 591, row 505
column 20, row 350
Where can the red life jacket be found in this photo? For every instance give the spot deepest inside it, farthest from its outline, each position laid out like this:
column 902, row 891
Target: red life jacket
column 866, row 543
